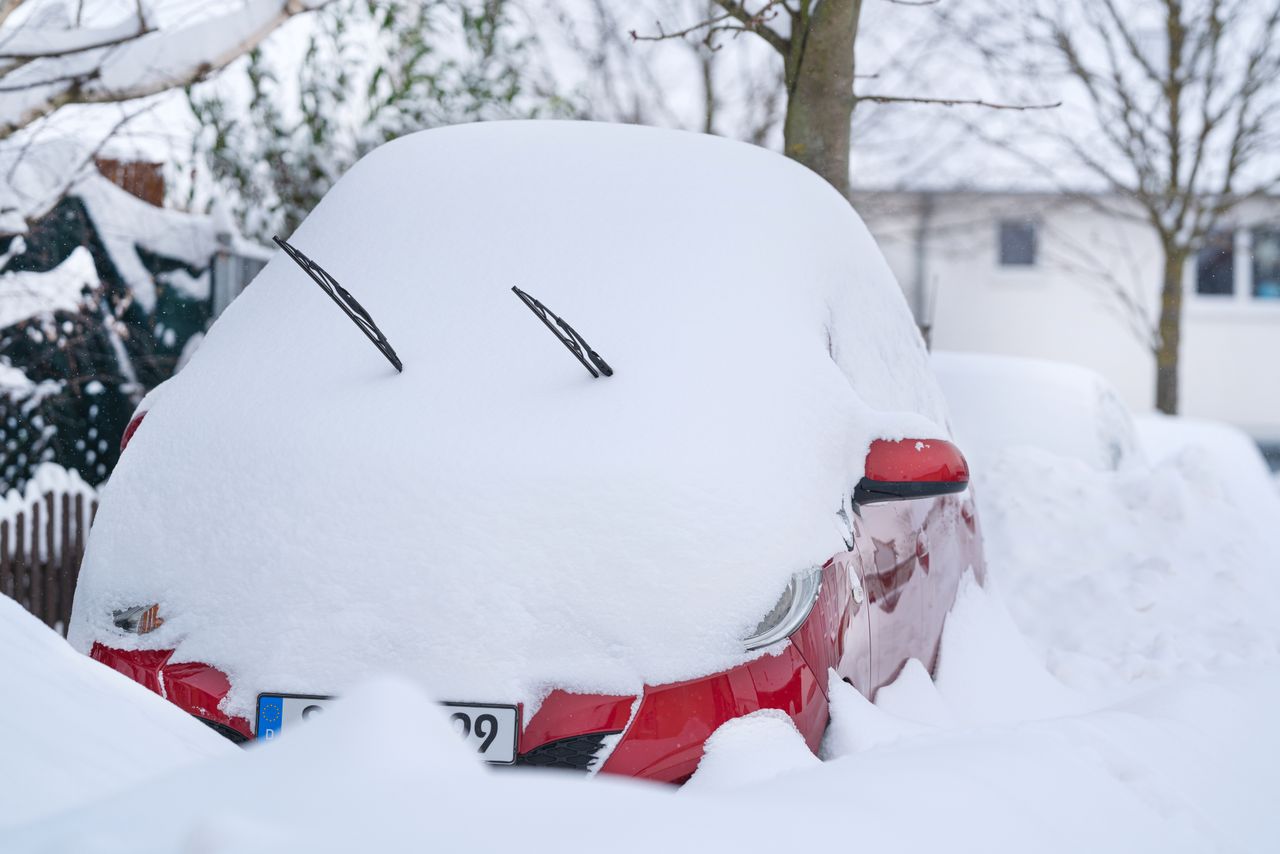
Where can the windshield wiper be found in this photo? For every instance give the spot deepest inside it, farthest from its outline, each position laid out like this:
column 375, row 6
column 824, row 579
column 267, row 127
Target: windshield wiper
column 573, row 342
column 345, row 301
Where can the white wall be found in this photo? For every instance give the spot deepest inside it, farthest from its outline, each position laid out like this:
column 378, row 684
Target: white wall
column 1067, row 307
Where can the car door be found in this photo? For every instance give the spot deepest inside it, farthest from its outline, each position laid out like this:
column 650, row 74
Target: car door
column 896, row 585
column 951, row 545
column 854, row 651
column 837, row 634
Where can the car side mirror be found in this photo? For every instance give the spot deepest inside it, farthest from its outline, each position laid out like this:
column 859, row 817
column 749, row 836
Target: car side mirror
column 911, row 468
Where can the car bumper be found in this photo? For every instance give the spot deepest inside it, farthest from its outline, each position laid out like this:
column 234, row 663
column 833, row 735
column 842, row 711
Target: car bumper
column 657, row 736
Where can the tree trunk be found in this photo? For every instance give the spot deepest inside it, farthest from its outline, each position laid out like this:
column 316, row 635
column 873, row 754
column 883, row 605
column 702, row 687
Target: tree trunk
column 819, row 77
column 1175, row 260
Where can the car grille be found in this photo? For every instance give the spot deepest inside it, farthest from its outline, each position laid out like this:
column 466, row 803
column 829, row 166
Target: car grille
column 571, row 754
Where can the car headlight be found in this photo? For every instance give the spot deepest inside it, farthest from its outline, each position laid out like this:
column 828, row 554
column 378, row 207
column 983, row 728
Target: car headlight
column 790, row 612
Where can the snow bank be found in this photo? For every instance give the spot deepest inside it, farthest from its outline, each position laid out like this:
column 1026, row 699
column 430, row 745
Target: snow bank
column 857, row 724
column 1133, row 575
column 1189, row 768
column 72, row 731
column 751, row 749
column 989, row 674
column 493, row 521
column 1163, row 573
column 1226, row 450
column 999, row 402
column 383, row 771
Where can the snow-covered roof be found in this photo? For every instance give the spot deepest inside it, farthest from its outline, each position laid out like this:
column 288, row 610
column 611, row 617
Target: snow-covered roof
column 493, row 520
column 26, row 294
column 38, row 175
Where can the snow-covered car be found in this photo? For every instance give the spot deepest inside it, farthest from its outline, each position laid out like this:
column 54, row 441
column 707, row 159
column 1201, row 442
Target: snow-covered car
column 749, row 488
column 998, row 403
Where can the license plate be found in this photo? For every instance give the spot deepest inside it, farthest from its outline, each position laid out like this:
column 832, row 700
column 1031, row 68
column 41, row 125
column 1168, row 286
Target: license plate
column 492, row 729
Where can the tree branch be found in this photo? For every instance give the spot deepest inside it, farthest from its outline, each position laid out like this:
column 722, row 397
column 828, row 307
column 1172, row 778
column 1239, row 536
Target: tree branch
column 30, row 44
column 747, row 22
column 756, row 23
column 953, row 102
column 143, row 66
column 8, row 7
column 708, row 27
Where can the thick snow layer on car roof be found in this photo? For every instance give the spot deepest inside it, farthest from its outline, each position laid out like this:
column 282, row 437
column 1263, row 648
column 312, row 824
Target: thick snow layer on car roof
column 493, row 521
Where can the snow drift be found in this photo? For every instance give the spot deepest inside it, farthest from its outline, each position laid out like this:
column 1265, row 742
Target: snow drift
column 72, row 731
column 1128, row 553
column 494, row 522
column 1189, row 768
column 998, row 403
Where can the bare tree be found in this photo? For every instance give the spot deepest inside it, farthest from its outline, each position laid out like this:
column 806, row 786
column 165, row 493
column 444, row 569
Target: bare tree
column 597, row 72
column 1172, row 115
column 48, row 60
column 815, row 40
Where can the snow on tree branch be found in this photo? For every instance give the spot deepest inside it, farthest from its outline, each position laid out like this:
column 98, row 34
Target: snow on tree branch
column 34, row 42
column 43, row 67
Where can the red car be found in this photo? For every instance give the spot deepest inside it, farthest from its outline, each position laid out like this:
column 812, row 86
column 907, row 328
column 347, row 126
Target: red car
column 575, row 558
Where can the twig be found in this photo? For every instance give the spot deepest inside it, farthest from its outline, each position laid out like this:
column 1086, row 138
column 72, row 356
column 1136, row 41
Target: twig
column 748, row 22
column 954, row 102
column 25, row 57
column 708, row 38
column 663, row 35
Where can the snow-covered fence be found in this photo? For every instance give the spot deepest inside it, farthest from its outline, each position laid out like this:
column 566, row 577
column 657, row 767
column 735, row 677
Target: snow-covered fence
column 42, row 537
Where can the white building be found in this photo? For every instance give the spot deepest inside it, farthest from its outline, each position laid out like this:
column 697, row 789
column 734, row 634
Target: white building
column 1048, row 276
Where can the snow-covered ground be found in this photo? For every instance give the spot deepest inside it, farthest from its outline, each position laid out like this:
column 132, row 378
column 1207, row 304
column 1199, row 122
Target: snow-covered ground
column 1111, row 690
column 997, row 757
column 73, row 730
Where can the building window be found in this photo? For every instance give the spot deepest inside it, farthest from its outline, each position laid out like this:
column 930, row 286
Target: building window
column 1215, row 265
column 1017, row 243
column 1266, row 262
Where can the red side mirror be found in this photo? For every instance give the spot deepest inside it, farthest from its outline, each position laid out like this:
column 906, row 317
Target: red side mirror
column 911, row 468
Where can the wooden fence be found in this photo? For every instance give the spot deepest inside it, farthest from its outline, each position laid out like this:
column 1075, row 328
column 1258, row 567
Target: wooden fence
column 40, row 550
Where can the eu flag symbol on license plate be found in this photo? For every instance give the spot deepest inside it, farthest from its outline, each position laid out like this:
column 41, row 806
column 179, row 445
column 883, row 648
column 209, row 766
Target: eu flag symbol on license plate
column 270, row 716
column 276, row 710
